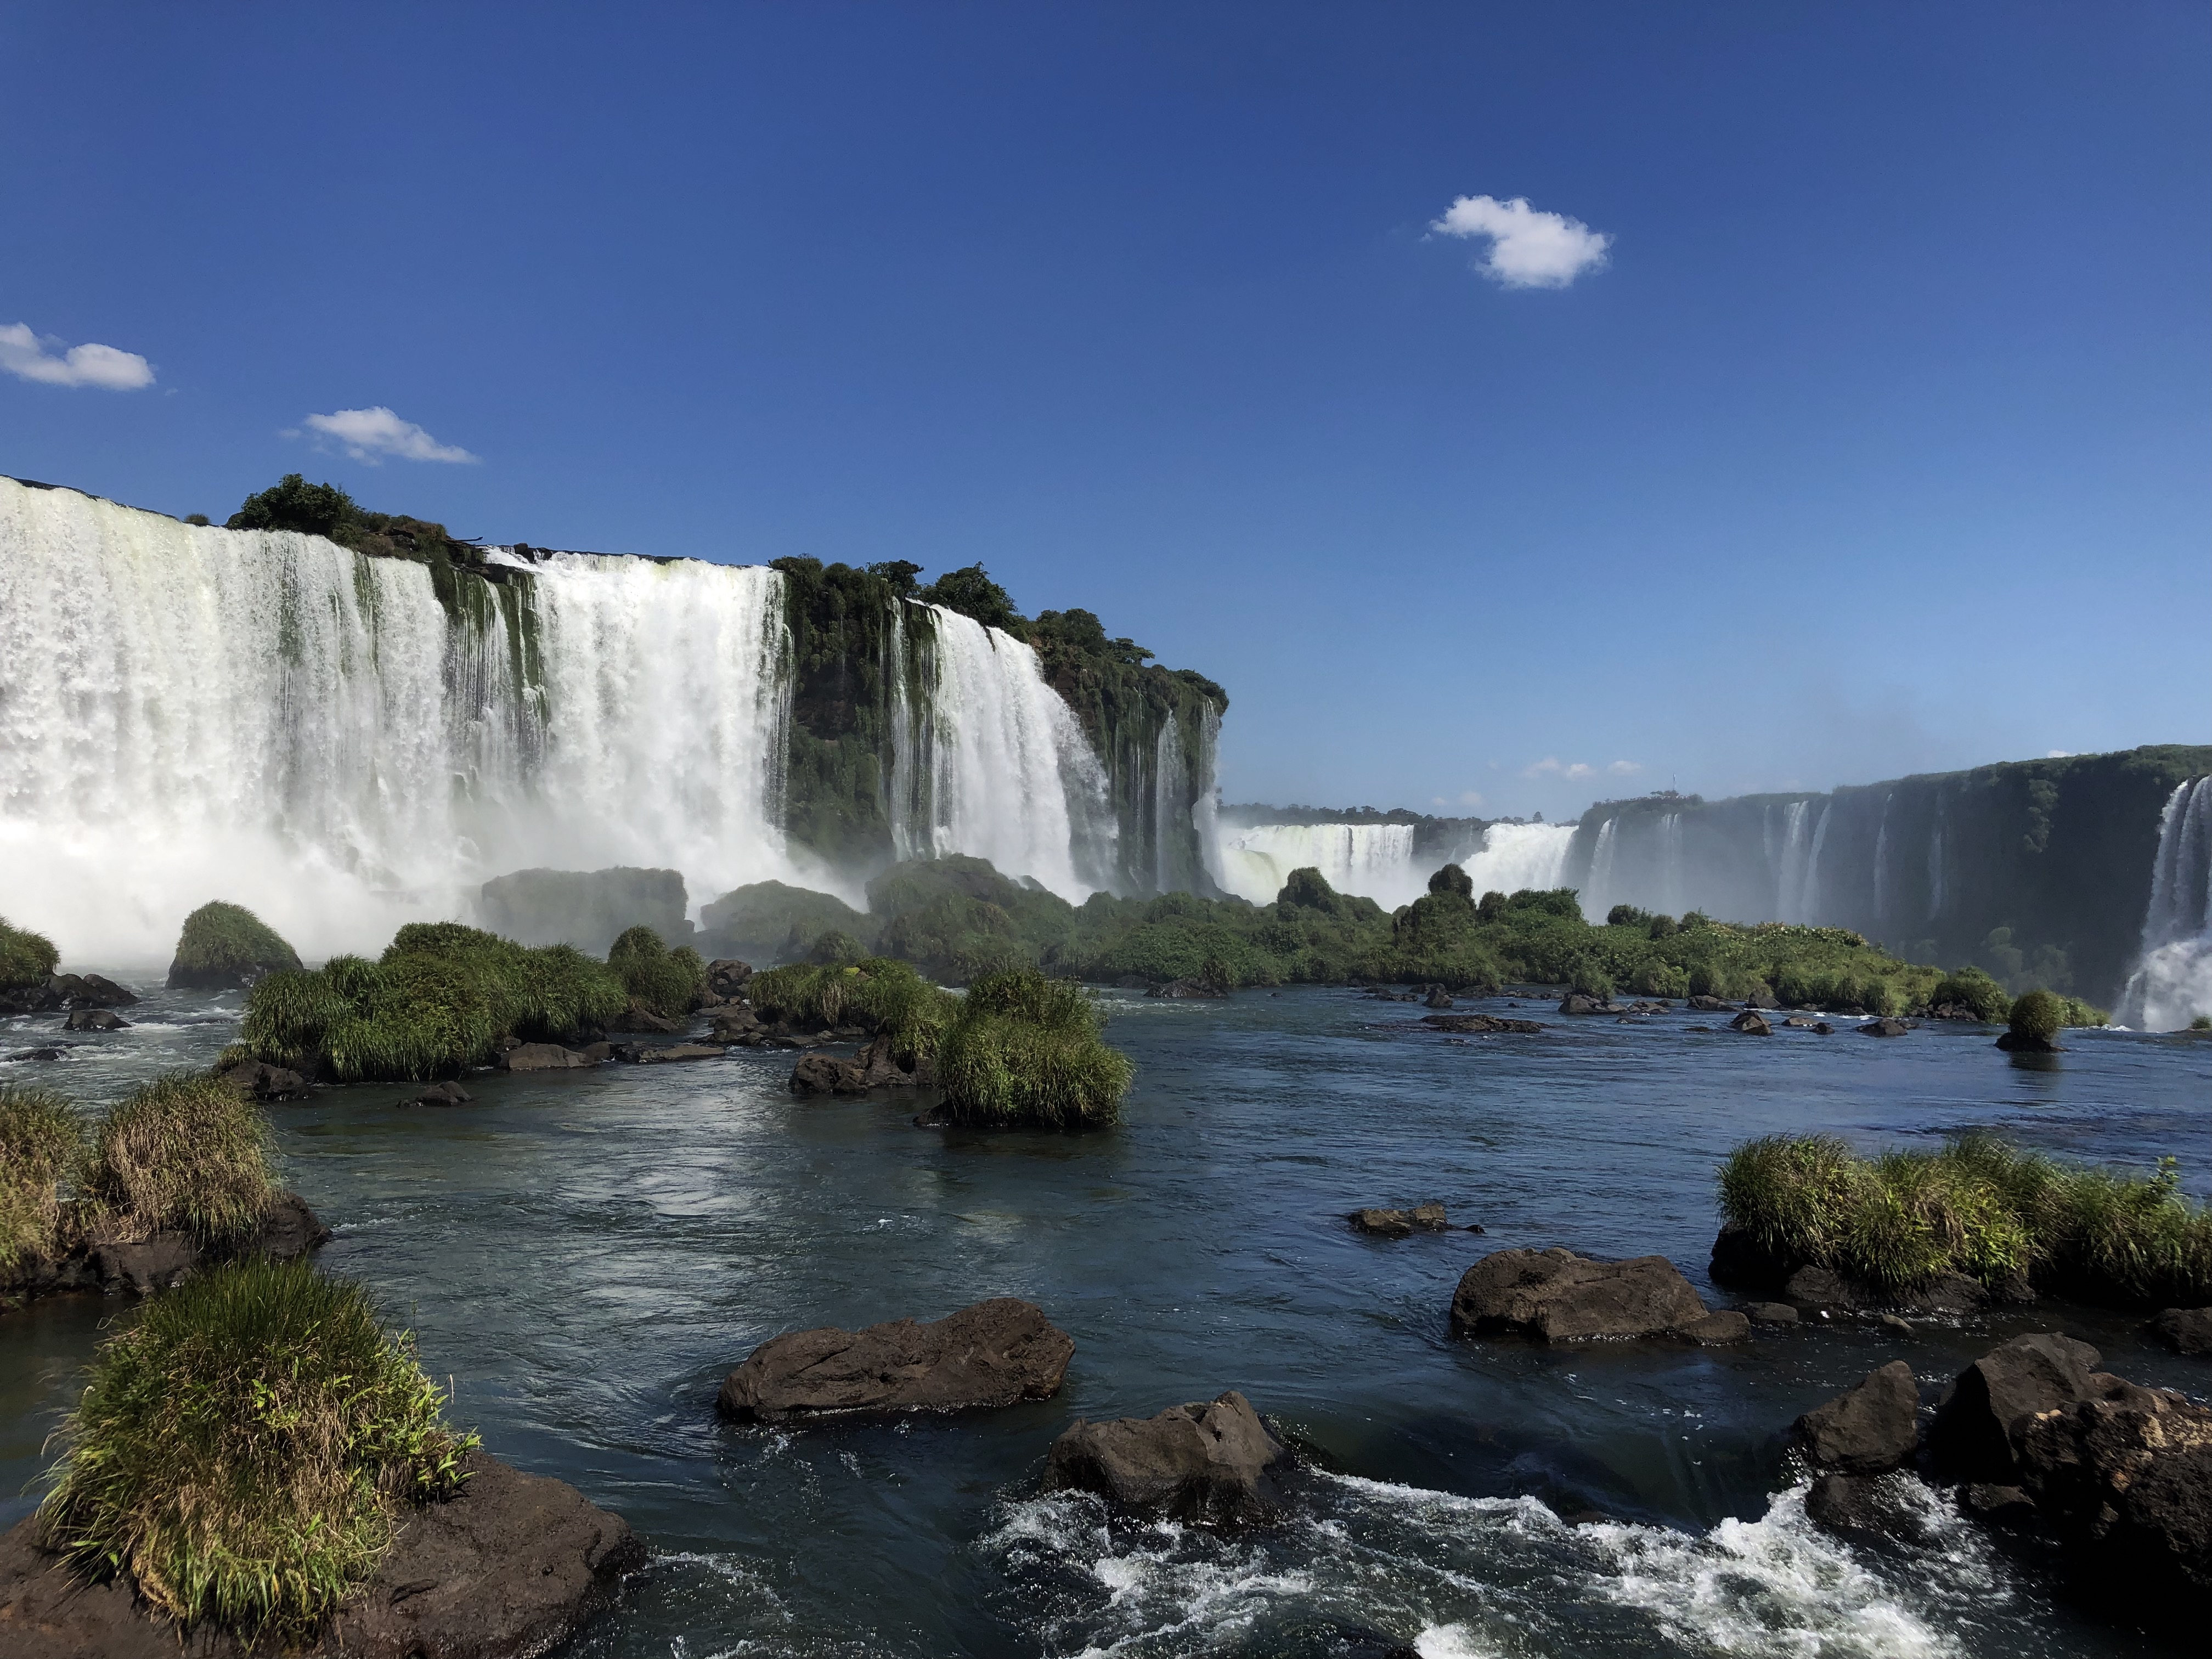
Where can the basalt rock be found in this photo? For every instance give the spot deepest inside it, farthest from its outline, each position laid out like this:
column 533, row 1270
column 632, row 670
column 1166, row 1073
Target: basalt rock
column 726, row 979
column 2125, row 1482
column 1971, row 1436
column 680, row 1051
column 86, row 990
column 95, row 1019
column 993, row 1353
column 258, row 1080
column 1556, row 1295
column 1400, row 1223
column 639, row 1018
column 1870, row 1428
column 1477, row 1023
column 140, row 1267
column 541, row 1057
column 1887, row 1026
column 1189, row 988
column 825, row 1074
column 1704, row 1005
column 1208, row 1462
column 441, row 1094
column 2026, row 1043
column 2184, row 1330
column 514, row 1564
column 1576, row 1003
column 1751, row 1022
column 1438, row 997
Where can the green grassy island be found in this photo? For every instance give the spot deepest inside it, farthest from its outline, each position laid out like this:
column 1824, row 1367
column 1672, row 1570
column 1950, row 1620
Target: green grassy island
column 226, row 944
column 1025, row 1049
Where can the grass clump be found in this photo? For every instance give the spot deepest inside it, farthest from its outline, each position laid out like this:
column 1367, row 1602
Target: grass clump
column 1972, row 988
column 226, row 945
column 877, row 994
column 662, row 981
column 242, row 1450
column 185, row 1152
column 440, row 999
column 26, row 959
column 1976, row 1207
column 41, row 1146
column 1026, row 1049
column 2036, row 1017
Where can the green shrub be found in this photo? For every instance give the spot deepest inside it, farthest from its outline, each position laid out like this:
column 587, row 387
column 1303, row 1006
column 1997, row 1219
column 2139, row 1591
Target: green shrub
column 2037, row 1015
column 225, row 944
column 1970, row 988
column 26, row 958
column 241, row 1451
column 878, row 995
column 1976, row 1207
column 1026, row 1049
column 663, row 981
column 293, row 503
column 971, row 592
column 1589, row 978
column 42, row 1145
column 1663, row 979
column 184, row 1153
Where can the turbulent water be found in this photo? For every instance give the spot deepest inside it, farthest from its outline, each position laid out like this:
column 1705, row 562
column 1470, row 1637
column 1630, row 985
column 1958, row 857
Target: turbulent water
column 191, row 712
column 587, row 1255
column 2172, row 982
column 1383, row 861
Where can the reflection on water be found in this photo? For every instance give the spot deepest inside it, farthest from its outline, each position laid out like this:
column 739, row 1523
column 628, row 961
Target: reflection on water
column 587, row 1255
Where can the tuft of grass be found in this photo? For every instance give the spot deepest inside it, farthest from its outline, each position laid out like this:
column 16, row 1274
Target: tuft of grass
column 184, row 1152
column 877, row 993
column 41, row 1146
column 2038, row 1016
column 227, row 944
column 26, row 958
column 1976, row 1207
column 664, row 981
column 1026, row 1049
column 241, row 1451
column 1971, row 988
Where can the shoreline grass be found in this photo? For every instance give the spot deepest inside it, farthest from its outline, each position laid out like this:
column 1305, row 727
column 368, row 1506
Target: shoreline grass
column 1026, row 1049
column 185, row 1152
column 42, row 1146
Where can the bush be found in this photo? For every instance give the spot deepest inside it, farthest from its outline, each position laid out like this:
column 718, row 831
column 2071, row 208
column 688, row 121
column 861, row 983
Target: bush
column 663, row 981
column 971, row 592
column 2037, row 1015
column 293, row 503
column 1627, row 915
column 41, row 1144
column 1026, row 1049
column 26, row 959
column 184, row 1153
column 1589, row 978
column 223, row 944
column 878, row 995
column 1970, row 988
column 241, row 1451
column 1977, row 1206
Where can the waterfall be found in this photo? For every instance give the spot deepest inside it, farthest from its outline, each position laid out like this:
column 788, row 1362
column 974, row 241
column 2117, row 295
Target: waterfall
column 1170, row 789
column 1794, row 866
column 1811, row 901
column 1514, row 856
column 2172, row 983
column 1936, row 862
column 1671, row 873
column 1374, row 860
column 1881, row 882
column 1597, row 897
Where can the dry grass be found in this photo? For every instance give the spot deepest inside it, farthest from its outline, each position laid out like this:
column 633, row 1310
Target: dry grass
column 185, row 1152
column 41, row 1146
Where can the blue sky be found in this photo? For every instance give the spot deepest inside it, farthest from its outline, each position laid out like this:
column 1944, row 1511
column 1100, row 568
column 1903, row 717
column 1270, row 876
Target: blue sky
column 1876, row 442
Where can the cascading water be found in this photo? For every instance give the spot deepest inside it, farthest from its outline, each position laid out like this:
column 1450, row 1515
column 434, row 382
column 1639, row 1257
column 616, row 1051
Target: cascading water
column 2172, row 983
column 1513, row 856
column 1380, row 861
column 1170, row 788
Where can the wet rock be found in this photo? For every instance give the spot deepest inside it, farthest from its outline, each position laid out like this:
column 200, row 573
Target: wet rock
column 1188, row 987
column 1206, row 1461
column 598, row 1052
column 1576, row 1003
column 1887, row 1026
column 2184, row 1330
column 2007, row 1507
column 1399, row 1223
column 1438, row 997
column 86, row 991
column 1769, row 1313
column 1870, row 1428
column 141, row 1267
column 289, row 1228
column 1556, row 1295
column 514, row 1564
column 95, row 1019
column 1864, row 1505
column 441, row 1094
column 1821, row 1028
column 1740, row 1260
column 2025, row 1043
column 1947, row 1293
column 825, row 1074
column 1477, row 1023
column 55, row 1053
column 993, row 1353
column 736, row 1024
column 1707, row 1005
column 541, row 1057
column 1970, row 1438
column 678, row 1051
column 727, row 978
column 1715, row 1329
column 1801, row 1022
column 1751, row 1023
column 258, row 1080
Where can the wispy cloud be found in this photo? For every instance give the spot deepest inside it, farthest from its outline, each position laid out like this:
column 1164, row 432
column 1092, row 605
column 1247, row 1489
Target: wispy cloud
column 1625, row 768
column 370, row 434
column 27, row 357
column 1528, row 248
column 1553, row 767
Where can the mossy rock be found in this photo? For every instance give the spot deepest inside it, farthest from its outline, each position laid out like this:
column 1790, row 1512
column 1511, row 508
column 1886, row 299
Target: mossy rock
column 226, row 947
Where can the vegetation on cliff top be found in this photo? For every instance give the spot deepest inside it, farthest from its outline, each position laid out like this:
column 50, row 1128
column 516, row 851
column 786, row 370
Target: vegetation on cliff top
column 26, row 959
column 326, row 510
column 225, row 944
column 242, row 1450
column 1977, row 1207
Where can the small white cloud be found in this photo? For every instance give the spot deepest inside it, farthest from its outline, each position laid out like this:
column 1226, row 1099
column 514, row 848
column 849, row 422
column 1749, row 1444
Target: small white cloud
column 27, row 357
column 1552, row 766
column 1625, row 768
column 2057, row 754
column 1527, row 248
column 370, row 434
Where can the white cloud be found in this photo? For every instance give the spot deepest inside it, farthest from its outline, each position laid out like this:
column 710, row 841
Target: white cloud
column 1552, row 766
column 1625, row 768
column 27, row 357
column 1527, row 248
column 370, row 434
column 2057, row 754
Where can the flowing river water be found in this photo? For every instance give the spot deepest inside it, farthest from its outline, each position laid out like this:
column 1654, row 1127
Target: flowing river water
column 585, row 1256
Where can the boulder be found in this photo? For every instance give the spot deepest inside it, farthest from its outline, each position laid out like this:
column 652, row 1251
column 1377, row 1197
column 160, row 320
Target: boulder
column 1398, row 1224
column 1740, row 1260
column 1970, row 1438
column 1769, row 1313
column 1801, row 1022
column 2026, row 1043
column 993, row 1353
column 541, row 1057
column 1863, row 1504
column 258, row 1080
column 727, row 978
column 680, row 1051
column 2184, row 1330
column 1209, row 1461
column 825, row 1074
column 1576, row 1003
column 1477, row 1023
column 441, row 1094
column 95, row 1019
column 1702, row 1004
column 50, row 1053
column 1751, row 1023
column 1438, row 997
column 514, row 1564
column 142, row 1266
column 639, row 1018
column 1947, row 1293
column 736, row 1024
column 1870, row 1428
column 1887, row 1026
column 86, row 991
column 1192, row 987
column 1821, row 1028
column 1556, row 1295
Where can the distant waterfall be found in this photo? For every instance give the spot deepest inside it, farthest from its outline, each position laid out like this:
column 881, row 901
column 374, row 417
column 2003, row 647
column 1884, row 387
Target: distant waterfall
column 1514, row 856
column 1381, row 861
column 1170, row 788
column 2173, row 981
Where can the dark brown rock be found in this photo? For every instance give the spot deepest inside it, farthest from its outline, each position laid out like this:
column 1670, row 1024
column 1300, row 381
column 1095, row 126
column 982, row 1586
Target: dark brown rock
column 993, row 1353
column 679, row 1051
column 1702, row 1004
column 1557, row 1296
column 1715, row 1329
column 1769, row 1313
column 95, row 1019
column 727, row 978
column 1870, row 1428
column 1477, row 1023
column 639, row 1018
column 512, row 1566
column 1189, row 988
column 825, row 1074
column 1740, row 1260
column 441, row 1094
column 1206, row 1461
column 541, row 1057
column 1970, row 1438
column 1751, row 1022
column 1947, row 1293
column 258, row 1080
column 2025, row 1043
column 1887, row 1026
column 86, row 991
column 2184, row 1330
column 1861, row 1504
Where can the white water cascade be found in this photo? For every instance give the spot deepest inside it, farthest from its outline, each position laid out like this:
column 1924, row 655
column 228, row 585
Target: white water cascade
column 1513, row 856
column 2172, row 983
column 1379, row 860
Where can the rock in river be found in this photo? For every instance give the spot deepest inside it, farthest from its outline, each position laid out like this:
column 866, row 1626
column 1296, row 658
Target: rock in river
column 1751, row 1022
column 1400, row 1224
column 1557, row 1296
column 95, row 1019
column 993, row 1353
column 1870, row 1428
column 542, row 1057
column 1207, row 1462
column 1477, row 1023
column 1971, row 1437
column 2184, row 1330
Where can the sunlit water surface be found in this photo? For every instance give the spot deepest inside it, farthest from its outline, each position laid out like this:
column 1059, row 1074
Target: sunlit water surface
column 585, row 1256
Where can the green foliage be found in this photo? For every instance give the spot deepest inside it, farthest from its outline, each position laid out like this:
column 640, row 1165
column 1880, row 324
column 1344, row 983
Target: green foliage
column 293, row 503
column 666, row 982
column 1976, row 1207
column 26, row 958
column 223, row 943
column 971, row 592
column 440, row 999
column 1970, row 988
column 184, row 1152
column 2037, row 1015
column 41, row 1146
column 769, row 922
column 1589, row 978
column 242, row 1450
column 1026, row 1049
column 876, row 994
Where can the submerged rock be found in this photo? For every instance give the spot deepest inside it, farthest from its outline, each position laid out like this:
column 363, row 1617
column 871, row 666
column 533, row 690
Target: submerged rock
column 1400, row 1223
column 1477, row 1023
column 1556, row 1295
column 992, row 1354
column 259, row 1080
column 678, row 1051
column 1206, row 1461
column 1704, row 1005
column 2184, row 1330
column 513, row 1565
column 441, row 1094
column 1188, row 987
column 1870, row 1428
column 1887, row 1026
